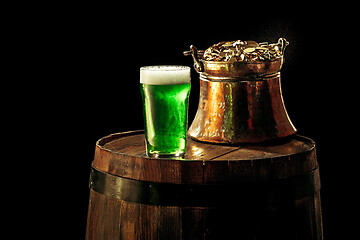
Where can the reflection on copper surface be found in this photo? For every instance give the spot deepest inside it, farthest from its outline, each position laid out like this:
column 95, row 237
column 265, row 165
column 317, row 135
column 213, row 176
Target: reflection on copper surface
column 241, row 111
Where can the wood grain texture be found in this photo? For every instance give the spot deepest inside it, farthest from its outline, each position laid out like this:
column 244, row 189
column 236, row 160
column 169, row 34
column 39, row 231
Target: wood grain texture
column 123, row 155
column 268, row 214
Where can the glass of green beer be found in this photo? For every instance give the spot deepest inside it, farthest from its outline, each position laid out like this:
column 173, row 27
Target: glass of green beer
column 165, row 92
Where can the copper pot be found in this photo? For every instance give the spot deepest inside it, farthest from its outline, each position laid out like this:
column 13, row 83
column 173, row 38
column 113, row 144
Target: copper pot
column 239, row 102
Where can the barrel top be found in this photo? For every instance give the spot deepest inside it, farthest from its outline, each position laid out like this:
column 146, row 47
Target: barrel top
column 123, row 154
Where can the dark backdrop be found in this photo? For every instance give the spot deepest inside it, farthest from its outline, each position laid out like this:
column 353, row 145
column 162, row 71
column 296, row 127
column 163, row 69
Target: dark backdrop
column 84, row 84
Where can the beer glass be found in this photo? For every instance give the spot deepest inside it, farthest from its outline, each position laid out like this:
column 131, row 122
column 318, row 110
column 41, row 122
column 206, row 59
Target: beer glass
column 165, row 92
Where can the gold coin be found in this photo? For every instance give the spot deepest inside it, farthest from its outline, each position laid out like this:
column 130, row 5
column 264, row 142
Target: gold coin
column 251, row 44
column 249, row 50
column 262, row 48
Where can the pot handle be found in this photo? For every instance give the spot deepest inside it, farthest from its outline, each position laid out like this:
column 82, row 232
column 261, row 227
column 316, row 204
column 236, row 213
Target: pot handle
column 198, row 65
column 283, row 44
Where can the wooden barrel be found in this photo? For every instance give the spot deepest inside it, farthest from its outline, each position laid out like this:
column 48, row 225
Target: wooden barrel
column 255, row 191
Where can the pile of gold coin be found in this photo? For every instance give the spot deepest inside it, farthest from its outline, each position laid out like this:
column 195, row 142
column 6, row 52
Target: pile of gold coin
column 244, row 51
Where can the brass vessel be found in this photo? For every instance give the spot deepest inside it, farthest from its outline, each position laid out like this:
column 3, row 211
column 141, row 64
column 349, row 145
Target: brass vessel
column 241, row 101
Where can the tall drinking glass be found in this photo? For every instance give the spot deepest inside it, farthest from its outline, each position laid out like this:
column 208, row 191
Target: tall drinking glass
column 165, row 92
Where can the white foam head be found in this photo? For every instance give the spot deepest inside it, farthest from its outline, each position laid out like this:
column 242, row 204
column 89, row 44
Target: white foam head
column 165, row 75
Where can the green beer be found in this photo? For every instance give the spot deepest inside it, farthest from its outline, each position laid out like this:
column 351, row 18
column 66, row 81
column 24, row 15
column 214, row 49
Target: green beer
column 165, row 92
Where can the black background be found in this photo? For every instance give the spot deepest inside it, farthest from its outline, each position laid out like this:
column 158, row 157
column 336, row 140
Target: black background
column 81, row 71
